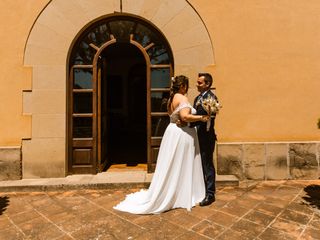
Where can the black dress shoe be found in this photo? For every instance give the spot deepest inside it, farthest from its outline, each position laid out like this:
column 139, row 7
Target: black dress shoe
column 207, row 200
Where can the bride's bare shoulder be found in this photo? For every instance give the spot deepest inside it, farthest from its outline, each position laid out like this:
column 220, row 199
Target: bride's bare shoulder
column 178, row 99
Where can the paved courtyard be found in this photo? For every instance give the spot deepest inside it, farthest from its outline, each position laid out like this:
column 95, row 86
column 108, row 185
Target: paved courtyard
column 255, row 210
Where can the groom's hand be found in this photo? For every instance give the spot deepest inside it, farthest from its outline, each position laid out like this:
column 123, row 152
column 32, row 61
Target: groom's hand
column 181, row 123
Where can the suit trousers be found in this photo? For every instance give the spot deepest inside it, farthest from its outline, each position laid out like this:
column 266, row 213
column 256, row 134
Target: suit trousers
column 207, row 141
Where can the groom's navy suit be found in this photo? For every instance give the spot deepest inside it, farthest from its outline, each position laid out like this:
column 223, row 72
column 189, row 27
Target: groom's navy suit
column 207, row 140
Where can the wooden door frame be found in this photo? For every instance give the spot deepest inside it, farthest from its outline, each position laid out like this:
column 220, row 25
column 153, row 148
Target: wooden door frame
column 97, row 99
column 95, row 141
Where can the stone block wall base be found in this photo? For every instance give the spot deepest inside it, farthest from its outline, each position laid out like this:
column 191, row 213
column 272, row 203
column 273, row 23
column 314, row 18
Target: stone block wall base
column 269, row 160
column 44, row 158
column 10, row 163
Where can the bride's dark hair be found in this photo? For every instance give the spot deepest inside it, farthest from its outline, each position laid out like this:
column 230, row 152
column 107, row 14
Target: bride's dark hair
column 176, row 83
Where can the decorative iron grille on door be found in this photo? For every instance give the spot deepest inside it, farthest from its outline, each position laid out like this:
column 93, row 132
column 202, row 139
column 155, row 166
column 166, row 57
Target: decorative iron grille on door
column 84, row 93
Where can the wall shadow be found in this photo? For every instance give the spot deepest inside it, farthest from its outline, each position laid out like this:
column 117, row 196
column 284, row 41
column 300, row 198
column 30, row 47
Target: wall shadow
column 313, row 195
column 4, row 203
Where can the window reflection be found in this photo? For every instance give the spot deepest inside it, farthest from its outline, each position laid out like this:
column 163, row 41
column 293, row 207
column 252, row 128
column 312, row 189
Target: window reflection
column 144, row 35
column 99, row 35
column 121, row 28
column 84, row 55
column 160, row 78
column 82, row 78
column 158, row 55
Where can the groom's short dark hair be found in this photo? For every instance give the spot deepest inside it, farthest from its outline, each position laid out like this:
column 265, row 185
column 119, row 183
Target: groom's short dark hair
column 207, row 78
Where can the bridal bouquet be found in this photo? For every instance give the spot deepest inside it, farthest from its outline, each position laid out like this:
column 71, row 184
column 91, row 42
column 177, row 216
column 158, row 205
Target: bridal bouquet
column 211, row 106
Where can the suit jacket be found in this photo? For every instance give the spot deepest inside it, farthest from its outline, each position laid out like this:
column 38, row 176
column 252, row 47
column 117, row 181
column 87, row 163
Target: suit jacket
column 202, row 126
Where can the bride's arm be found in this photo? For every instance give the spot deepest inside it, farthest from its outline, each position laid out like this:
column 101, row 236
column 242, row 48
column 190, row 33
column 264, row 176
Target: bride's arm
column 185, row 113
column 186, row 116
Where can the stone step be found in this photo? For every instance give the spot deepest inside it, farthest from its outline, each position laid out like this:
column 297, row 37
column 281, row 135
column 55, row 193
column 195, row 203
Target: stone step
column 104, row 180
column 227, row 180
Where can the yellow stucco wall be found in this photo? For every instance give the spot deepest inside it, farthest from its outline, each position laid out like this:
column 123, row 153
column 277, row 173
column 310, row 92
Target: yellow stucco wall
column 16, row 20
column 267, row 66
column 267, row 56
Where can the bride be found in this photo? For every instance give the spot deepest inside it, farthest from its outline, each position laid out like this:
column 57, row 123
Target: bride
column 178, row 179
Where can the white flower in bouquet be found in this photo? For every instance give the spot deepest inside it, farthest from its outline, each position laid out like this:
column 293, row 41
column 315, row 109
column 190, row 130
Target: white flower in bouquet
column 211, row 106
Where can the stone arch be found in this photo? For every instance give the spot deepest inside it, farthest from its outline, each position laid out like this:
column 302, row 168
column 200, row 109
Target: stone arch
column 47, row 50
column 59, row 23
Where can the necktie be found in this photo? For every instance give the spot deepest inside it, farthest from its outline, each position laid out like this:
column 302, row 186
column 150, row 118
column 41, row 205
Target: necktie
column 199, row 100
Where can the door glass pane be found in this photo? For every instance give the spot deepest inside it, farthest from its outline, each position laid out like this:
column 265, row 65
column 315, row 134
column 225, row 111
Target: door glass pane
column 99, row 35
column 84, row 54
column 82, row 127
column 82, row 102
column 121, row 29
column 82, row 78
column 158, row 54
column 159, row 101
column 159, row 125
column 160, row 78
column 144, row 35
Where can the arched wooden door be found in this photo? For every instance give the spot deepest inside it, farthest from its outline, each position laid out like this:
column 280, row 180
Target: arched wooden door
column 84, row 147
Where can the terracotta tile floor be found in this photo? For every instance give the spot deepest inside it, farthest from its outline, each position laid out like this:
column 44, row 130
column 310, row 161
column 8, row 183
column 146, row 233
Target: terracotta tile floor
column 264, row 210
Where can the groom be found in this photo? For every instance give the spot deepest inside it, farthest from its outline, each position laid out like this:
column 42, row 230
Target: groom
column 206, row 138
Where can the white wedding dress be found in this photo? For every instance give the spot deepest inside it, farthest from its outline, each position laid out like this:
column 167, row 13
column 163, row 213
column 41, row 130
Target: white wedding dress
column 178, row 179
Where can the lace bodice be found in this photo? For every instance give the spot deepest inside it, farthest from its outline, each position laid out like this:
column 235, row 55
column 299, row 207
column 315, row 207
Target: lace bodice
column 175, row 114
